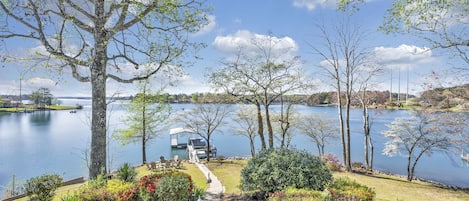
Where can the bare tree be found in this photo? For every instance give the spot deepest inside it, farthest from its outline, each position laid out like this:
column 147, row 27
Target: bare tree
column 263, row 71
column 246, row 118
column 234, row 81
column 204, row 120
column 319, row 129
column 365, row 80
column 414, row 137
column 285, row 122
column 343, row 56
column 99, row 40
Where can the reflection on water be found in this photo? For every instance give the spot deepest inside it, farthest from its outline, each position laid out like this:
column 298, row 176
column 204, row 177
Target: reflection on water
column 55, row 142
column 40, row 118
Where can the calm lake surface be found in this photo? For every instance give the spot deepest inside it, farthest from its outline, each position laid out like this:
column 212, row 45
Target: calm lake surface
column 33, row 144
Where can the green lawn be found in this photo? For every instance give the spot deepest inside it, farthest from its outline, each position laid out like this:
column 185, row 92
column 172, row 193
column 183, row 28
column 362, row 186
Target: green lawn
column 52, row 107
column 395, row 188
column 229, row 173
column 386, row 187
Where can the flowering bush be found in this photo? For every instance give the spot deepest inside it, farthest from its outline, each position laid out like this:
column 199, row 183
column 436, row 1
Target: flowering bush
column 345, row 189
column 146, row 186
column 92, row 194
column 170, row 185
column 331, row 161
column 117, row 187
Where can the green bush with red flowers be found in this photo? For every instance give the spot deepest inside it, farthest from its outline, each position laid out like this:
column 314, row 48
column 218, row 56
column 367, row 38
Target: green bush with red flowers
column 170, row 185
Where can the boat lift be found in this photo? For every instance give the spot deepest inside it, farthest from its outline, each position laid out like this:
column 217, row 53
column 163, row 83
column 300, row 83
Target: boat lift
column 179, row 137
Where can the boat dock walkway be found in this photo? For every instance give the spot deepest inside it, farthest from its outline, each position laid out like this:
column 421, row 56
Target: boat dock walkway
column 215, row 189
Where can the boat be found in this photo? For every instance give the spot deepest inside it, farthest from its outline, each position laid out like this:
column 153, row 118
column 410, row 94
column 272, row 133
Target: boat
column 198, row 146
column 179, row 137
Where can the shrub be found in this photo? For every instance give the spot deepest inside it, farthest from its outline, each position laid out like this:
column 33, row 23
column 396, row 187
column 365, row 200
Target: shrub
column 99, row 182
column 345, row 189
column 296, row 194
column 357, row 165
column 198, row 193
column 146, row 187
column 274, row 170
column 94, row 194
column 72, row 197
column 42, row 187
column 126, row 173
column 331, row 161
column 118, row 187
column 175, row 187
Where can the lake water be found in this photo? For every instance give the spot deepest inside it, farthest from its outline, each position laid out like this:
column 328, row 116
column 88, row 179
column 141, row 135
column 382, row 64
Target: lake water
column 33, row 144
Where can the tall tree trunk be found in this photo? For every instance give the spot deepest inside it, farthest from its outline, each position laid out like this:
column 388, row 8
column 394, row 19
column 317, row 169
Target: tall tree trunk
column 144, row 126
column 98, row 119
column 341, row 123
column 348, row 166
column 260, row 130
column 372, row 148
column 98, row 88
column 253, row 149
column 366, row 132
column 269, row 126
column 208, row 148
column 409, row 172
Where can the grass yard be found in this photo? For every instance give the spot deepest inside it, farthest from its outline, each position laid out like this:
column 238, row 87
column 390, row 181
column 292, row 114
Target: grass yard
column 395, row 188
column 229, row 173
column 386, row 187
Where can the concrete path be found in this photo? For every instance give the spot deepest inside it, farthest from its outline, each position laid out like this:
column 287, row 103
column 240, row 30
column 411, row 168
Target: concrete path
column 215, row 189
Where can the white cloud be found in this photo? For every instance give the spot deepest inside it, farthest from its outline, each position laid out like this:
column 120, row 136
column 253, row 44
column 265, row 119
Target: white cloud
column 402, row 56
column 250, row 41
column 208, row 27
column 312, row 4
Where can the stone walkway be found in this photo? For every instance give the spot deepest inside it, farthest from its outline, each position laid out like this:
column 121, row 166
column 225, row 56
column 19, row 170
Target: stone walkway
column 215, row 189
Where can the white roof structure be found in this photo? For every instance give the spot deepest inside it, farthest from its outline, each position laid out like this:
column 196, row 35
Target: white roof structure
column 180, row 130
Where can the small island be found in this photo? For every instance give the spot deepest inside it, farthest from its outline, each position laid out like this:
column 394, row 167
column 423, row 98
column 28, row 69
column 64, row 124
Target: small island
column 42, row 99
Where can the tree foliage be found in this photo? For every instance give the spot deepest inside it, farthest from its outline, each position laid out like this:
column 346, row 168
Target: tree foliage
column 41, row 97
column 413, row 137
column 442, row 23
column 95, row 41
column 276, row 169
column 148, row 115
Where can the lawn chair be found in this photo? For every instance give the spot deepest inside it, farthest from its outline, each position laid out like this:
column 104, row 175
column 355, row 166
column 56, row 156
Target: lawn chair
column 151, row 166
column 178, row 165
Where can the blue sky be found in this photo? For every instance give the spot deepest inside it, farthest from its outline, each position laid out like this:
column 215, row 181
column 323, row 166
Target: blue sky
column 235, row 22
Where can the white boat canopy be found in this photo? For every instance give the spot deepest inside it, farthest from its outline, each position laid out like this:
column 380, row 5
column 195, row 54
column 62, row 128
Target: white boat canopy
column 182, row 132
